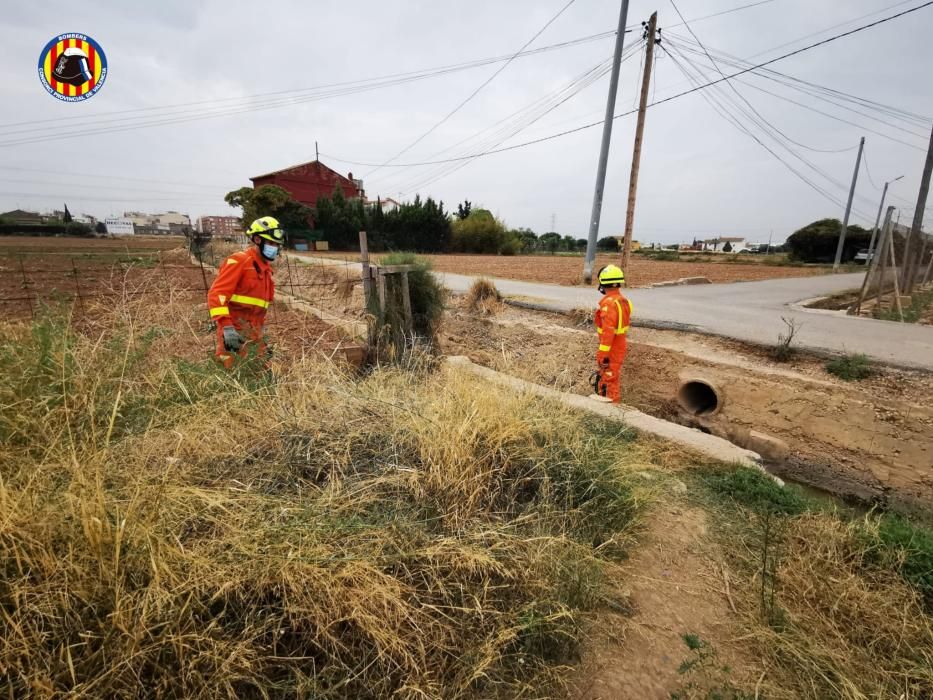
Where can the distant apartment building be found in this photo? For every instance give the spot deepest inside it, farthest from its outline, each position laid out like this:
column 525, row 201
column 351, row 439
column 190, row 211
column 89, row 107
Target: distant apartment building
column 170, row 222
column 221, row 226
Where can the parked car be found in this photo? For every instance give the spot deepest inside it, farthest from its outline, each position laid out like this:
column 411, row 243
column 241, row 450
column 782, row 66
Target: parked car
column 864, row 256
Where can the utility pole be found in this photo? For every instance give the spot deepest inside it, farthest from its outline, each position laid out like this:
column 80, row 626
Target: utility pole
column 317, row 155
column 871, row 265
column 604, row 148
column 639, row 134
column 874, row 231
column 910, row 261
column 845, row 220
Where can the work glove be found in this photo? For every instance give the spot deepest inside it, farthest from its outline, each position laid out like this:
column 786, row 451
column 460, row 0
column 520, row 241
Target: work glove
column 602, row 360
column 233, row 341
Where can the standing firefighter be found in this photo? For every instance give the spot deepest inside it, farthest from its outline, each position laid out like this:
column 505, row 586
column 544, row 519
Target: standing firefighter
column 243, row 291
column 612, row 322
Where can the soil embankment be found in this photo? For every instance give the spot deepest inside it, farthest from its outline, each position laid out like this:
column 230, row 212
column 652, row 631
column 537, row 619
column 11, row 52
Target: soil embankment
column 871, row 439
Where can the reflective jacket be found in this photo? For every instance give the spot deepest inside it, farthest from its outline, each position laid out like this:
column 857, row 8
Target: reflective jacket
column 612, row 319
column 242, row 291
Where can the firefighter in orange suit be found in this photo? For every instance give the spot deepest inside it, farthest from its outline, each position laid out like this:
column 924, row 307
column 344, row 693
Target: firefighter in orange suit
column 243, row 291
column 612, row 322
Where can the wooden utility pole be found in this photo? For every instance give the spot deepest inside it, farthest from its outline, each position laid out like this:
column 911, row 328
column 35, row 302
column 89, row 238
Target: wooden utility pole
column 872, row 264
column 911, row 262
column 639, row 134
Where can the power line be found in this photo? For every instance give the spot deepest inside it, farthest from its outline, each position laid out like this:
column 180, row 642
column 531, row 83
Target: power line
column 260, row 101
column 475, row 92
column 402, row 77
column 559, row 99
column 720, row 109
column 820, row 93
column 741, row 96
column 590, row 125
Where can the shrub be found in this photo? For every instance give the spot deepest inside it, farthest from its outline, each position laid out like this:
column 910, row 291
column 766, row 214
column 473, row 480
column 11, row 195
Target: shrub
column 479, row 233
column 511, row 245
column 850, row 367
column 817, row 242
column 483, row 297
column 428, row 296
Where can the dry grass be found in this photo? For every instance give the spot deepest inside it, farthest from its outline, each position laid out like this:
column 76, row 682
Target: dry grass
column 828, row 605
column 483, row 298
column 851, row 629
column 169, row 529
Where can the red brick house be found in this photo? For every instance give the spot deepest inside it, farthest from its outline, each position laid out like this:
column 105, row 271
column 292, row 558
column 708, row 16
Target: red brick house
column 309, row 181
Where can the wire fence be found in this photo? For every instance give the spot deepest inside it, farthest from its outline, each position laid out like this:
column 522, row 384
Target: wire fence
column 32, row 279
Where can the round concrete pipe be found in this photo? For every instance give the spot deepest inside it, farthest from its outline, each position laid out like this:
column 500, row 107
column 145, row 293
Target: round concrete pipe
column 699, row 397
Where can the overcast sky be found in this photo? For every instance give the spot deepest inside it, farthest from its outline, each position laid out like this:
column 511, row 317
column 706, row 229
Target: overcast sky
column 700, row 175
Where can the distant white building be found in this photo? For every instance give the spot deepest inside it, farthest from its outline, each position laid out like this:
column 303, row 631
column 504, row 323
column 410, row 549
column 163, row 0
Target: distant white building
column 119, row 227
column 388, row 204
column 717, row 245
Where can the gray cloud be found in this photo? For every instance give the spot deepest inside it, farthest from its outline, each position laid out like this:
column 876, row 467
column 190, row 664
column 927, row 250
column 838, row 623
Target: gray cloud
column 699, row 174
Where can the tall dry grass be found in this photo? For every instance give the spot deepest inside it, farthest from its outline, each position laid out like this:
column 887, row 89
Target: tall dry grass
column 168, row 529
column 835, row 604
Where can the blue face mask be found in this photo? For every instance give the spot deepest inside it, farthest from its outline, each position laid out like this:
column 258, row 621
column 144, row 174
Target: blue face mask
column 269, row 251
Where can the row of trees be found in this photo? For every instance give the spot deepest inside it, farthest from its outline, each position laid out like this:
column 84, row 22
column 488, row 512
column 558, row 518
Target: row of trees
column 817, row 242
column 421, row 225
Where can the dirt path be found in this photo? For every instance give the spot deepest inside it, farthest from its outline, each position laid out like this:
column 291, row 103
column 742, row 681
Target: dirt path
column 677, row 591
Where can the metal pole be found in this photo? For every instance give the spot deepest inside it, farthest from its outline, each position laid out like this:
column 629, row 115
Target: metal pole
column 604, row 148
column 639, row 134
column 910, row 261
column 845, row 220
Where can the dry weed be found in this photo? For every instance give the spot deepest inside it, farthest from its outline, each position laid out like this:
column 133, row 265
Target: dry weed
column 170, row 529
column 484, row 298
column 847, row 628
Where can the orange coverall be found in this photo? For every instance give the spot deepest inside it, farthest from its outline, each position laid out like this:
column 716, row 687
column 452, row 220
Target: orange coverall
column 612, row 322
column 240, row 296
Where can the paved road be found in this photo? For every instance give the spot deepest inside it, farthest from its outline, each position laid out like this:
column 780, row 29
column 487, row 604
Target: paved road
column 749, row 311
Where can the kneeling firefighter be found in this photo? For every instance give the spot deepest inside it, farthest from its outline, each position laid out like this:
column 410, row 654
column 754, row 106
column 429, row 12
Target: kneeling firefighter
column 243, row 291
column 612, row 323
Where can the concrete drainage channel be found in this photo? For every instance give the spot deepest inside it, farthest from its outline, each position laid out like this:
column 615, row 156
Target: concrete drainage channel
column 702, row 441
column 701, row 400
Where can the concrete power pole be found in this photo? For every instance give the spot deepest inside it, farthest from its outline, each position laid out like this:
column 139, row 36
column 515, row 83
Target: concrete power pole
column 639, row 134
column 911, row 260
column 604, row 148
column 845, row 220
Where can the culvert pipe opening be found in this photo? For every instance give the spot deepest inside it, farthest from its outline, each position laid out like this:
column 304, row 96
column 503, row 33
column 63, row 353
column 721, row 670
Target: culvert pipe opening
column 699, row 398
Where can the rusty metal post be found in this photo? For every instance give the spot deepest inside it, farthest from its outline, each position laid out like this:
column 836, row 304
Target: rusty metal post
column 406, row 303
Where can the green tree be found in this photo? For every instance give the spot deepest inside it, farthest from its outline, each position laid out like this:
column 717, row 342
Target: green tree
column 817, row 242
column 608, row 243
column 480, row 232
column 101, row 227
column 271, row 200
column 549, row 242
column 463, row 210
column 727, row 248
column 527, row 238
column 339, row 220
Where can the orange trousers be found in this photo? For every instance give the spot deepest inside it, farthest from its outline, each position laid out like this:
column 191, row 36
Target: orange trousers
column 254, row 344
column 610, row 374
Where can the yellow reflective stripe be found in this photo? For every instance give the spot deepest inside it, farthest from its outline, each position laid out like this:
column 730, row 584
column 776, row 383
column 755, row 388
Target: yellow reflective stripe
column 599, row 330
column 251, row 301
column 232, row 261
column 623, row 331
column 605, row 348
column 619, row 330
column 220, row 311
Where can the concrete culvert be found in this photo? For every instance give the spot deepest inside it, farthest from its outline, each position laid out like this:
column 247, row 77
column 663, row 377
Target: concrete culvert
column 699, row 398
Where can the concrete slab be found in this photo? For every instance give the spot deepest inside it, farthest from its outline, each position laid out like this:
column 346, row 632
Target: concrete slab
column 709, row 445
